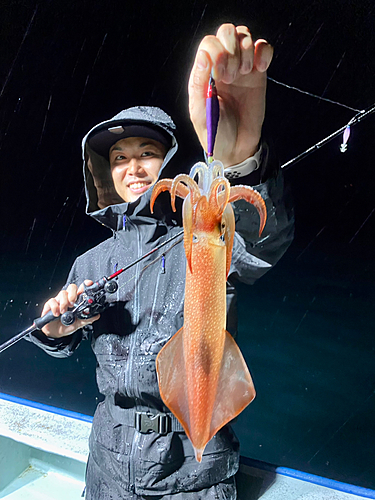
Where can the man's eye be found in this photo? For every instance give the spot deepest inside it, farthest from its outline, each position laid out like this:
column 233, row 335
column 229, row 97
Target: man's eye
column 119, row 157
column 147, row 153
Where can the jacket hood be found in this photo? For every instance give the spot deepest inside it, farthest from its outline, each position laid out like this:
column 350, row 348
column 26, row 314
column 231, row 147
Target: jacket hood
column 103, row 202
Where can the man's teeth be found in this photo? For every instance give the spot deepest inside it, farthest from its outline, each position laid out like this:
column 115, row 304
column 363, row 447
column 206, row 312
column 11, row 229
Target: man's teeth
column 138, row 185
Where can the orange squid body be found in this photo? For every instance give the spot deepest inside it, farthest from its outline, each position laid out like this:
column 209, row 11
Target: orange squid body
column 203, row 378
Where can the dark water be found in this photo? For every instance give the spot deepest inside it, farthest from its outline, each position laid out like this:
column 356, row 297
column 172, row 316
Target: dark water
column 306, row 328
column 310, row 345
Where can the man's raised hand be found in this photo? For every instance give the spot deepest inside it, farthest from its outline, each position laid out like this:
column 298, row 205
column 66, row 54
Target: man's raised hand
column 239, row 67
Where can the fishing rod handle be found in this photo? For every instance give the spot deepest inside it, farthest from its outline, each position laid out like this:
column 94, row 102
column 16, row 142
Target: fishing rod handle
column 44, row 320
column 67, row 318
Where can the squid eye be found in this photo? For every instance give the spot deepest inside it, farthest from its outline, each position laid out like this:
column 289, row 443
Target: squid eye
column 222, row 231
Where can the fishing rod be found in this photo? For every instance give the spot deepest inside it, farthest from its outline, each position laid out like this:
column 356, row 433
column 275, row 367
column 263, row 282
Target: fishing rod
column 91, row 302
column 345, row 129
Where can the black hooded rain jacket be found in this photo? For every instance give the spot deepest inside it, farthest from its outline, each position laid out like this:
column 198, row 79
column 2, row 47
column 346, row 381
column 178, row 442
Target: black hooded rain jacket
column 145, row 312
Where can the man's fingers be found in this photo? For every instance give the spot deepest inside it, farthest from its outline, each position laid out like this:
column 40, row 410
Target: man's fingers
column 45, row 309
column 211, row 56
column 217, row 55
column 199, row 75
column 246, row 49
column 72, row 294
column 197, row 88
column 81, row 286
column 238, row 66
column 63, row 300
column 263, row 53
column 55, row 306
column 60, row 304
column 228, row 38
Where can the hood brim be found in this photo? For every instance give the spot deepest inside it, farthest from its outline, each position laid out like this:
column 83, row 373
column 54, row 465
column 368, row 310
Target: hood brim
column 103, row 202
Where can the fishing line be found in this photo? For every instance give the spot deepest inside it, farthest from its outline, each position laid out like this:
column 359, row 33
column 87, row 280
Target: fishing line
column 345, row 129
column 152, row 262
column 313, row 95
column 160, row 257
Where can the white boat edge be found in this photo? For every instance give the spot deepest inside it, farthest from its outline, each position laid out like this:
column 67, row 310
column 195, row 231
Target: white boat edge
column 62, row 437
column 47, row 428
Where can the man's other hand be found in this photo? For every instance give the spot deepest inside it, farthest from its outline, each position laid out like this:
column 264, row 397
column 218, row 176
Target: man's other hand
column 59, row 305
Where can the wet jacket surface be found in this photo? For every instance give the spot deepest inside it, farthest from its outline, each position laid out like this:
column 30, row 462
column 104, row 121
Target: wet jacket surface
column 145, row 312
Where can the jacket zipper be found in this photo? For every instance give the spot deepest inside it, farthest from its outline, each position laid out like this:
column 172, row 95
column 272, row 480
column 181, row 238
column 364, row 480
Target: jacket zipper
column 129, row 381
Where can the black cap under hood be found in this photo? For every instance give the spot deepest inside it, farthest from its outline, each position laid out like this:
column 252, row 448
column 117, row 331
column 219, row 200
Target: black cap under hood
column 103, row 203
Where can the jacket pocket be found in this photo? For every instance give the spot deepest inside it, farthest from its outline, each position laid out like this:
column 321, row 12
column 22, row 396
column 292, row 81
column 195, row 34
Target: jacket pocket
column 167, row 464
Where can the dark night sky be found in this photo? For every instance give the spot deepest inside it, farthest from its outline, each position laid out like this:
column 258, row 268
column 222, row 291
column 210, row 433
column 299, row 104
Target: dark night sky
column 64, row 66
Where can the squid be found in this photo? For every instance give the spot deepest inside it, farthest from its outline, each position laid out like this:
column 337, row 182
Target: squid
column 203, row 378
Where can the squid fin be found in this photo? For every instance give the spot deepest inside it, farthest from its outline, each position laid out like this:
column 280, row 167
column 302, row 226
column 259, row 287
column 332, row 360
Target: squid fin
column 234, row 379
column 170, row 367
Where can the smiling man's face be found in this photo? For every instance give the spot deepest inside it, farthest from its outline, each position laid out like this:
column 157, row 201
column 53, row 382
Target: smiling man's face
column 135, row 165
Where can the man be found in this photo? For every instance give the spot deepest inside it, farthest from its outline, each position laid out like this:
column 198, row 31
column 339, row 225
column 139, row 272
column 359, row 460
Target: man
column 123, row 158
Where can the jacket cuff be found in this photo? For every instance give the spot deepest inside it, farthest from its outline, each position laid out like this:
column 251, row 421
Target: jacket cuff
column 41, row 338
column 61, row 347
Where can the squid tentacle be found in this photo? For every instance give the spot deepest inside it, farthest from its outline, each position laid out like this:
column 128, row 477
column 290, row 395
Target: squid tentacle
column 199, row 169
column 165, row 185
column 219, row 198
column 229, row 228
column 251, row 196
column 191, row 185
column 217, row 169
column 188, row 222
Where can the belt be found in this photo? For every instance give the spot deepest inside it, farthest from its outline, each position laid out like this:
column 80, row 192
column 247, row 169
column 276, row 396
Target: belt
column 145, row 420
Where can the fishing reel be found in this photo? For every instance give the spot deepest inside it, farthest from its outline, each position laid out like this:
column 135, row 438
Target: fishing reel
column 91, row 302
